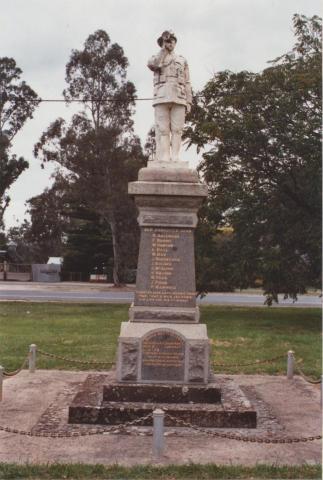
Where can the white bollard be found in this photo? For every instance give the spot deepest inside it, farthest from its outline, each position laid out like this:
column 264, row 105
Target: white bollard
column 290, row 364
column 1, row 381
column 32, row 358
column 158, row 432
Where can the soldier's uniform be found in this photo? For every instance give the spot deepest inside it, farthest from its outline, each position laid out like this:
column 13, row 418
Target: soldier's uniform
column 172, row 81
column 172, row 94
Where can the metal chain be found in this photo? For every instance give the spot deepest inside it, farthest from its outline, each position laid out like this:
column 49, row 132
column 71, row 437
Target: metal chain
column 15, row 372
column 83, row 433
column 268, row 360
column 82, row 362
column 308, row 379
column 233, row 436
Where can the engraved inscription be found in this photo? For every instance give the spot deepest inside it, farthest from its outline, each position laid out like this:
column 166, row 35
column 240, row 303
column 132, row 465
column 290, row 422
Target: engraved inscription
column 178, row 297
column 166, row 272
column 163, row 252
column 163, row 357
column 168, row 220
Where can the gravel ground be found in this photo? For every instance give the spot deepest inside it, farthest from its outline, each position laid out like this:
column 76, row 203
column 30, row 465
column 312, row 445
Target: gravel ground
column 39, row 402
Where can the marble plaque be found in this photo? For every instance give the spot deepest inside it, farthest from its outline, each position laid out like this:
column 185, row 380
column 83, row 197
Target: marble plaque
column 163, row 355
column 166, row 270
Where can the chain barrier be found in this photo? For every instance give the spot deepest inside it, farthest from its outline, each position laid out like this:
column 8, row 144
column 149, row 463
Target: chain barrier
column 214, row 364
column 308, row 379
column 257, row 362
column 82, row 433
column 71, row 360
column 15, row 372
column 101, row 431
column 243, row 438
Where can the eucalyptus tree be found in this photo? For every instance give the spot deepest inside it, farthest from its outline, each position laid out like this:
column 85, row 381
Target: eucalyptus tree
column 17, row 104
column 98, row 148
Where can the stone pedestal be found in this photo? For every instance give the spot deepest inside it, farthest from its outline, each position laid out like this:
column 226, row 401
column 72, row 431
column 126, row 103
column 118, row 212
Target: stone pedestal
column 163, row 350
column 163, row 353
column 163, row 342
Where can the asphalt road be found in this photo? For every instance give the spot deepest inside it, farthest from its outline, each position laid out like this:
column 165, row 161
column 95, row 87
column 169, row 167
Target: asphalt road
column 104, row 294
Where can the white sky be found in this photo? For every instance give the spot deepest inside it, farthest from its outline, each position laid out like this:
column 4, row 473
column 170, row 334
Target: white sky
column 213, row 35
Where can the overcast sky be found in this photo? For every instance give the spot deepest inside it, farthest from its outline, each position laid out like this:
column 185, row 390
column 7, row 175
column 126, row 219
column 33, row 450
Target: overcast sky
column 213, row 35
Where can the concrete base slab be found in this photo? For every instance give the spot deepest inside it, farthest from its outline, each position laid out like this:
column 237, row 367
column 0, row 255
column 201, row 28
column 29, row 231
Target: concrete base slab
column 39, row 402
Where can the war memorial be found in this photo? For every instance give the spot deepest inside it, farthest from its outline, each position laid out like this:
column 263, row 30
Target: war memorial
column 164, row 350
column 73, row 422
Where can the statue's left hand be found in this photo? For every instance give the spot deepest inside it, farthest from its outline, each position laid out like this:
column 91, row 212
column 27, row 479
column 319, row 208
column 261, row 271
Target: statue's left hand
column 188, row 108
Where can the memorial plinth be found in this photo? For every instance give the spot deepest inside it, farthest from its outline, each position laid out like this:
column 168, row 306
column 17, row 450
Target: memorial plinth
column 163, row 340
column 163, row 350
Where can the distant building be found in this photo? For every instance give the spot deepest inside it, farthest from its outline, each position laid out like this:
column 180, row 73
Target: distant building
column 55, row 261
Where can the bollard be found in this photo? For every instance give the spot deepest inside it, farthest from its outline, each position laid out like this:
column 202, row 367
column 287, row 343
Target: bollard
column 290, row 364
column 1, row 381
column 158, row 432
column 32, row 358
column 321, row 391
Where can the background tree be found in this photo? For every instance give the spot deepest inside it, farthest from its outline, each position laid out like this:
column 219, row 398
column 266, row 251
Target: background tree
column 98, row 149
column 150, row 145
column 88, row 249
column 263, row 166
column 17, row 103
column 43, row 235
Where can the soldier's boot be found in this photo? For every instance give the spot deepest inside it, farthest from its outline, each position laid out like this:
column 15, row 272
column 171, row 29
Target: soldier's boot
column 163, row 149
column 176, row 145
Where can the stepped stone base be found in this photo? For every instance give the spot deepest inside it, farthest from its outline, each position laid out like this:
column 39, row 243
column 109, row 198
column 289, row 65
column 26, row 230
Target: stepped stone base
column 220, row 404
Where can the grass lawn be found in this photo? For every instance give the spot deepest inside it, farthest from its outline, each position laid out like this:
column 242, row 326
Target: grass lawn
column 89, row 332
column 171, row 472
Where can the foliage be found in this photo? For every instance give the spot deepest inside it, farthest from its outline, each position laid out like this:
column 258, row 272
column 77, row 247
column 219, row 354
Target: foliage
column 262, row 165
column 60, row 227
column 98, row 152
column 88, row 249
column 17, row 103
column 43, row 235
column 213, row 255
column 150, row 145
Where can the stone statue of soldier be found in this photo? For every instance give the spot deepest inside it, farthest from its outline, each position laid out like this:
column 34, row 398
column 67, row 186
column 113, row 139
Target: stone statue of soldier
column 172, row 97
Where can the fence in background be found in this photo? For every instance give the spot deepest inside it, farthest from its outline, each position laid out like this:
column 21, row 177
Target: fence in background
column 15, row 271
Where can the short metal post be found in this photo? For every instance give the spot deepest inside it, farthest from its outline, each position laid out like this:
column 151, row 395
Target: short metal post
column 158, row 432
column 1, row 381
column 32, row 358
column 290, row 364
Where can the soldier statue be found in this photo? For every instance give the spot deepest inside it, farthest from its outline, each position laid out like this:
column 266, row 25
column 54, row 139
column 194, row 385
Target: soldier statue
column 172, row 97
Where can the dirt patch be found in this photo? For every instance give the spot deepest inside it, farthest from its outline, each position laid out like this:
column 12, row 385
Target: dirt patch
column 220, row 343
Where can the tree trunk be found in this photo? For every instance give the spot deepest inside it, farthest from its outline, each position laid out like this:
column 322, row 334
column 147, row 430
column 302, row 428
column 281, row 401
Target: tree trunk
column 116, row 255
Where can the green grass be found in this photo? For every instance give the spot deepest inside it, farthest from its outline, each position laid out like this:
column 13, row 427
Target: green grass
column 171, row 472
column 244, row 334
column 90, row 332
